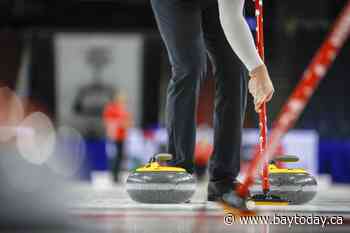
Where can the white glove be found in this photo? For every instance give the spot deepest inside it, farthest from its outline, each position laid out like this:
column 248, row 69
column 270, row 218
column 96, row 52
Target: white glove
column 260, row 86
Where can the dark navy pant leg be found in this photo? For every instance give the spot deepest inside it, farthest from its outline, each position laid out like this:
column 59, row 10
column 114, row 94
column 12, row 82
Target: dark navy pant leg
column 179, row 23
column 230, row 98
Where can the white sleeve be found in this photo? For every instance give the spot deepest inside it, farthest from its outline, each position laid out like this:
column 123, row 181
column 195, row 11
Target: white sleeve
column 238, row 33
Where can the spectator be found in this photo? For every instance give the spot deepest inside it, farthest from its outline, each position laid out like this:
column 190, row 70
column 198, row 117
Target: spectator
column 117, row 121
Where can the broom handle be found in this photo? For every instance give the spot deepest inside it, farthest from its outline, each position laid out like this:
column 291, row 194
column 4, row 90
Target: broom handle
column 262, row 114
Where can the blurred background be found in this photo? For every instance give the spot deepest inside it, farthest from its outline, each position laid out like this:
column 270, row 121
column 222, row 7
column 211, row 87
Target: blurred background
column 82, row 96
column 99, row 67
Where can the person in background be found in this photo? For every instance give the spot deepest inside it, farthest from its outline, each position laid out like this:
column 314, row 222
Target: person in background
column 202, row 153
column 117, row 120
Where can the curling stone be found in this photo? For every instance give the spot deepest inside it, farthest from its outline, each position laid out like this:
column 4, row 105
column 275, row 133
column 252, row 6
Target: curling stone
column 158, row 183
column 293, row 184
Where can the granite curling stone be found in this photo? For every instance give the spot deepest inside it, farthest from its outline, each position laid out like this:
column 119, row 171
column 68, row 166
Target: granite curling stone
column 293, row 184
column 298, row 188
column 158, row 183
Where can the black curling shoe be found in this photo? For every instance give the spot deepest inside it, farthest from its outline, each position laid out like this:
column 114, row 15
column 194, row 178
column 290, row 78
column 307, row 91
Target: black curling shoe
column 216, row 189
column 223, row 191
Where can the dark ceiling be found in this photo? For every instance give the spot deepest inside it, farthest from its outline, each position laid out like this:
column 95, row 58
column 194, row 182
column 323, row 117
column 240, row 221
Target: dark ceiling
column 126, row 14
column 69, row 14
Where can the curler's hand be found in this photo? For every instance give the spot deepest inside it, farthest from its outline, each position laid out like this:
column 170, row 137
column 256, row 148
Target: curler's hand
column 260, row 86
